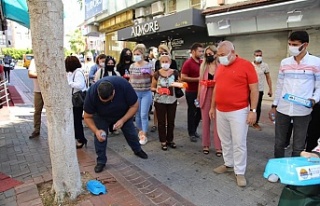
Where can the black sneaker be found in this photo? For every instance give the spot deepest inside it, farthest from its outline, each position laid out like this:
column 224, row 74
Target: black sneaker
column 34, row 135
column 99, row 167
column 193, row 138
column 141, row 154
column 197, row 135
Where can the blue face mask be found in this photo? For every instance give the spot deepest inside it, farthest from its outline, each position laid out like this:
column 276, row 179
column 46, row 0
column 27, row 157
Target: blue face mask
column 137, row 58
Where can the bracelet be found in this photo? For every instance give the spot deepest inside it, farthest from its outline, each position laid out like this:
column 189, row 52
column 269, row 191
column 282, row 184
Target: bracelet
column 273, row 106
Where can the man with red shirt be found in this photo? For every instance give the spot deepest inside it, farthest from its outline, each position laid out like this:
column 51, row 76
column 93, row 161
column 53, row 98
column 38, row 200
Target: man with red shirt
column 236, row 83
column 190, row 74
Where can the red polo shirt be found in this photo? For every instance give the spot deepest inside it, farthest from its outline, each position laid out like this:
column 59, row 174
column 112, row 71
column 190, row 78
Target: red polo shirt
column 232, row 85
column 191, row 68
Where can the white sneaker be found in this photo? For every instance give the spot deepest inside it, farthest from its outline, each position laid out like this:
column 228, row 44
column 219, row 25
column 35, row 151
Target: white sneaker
column 143, row 140
column 273, row 178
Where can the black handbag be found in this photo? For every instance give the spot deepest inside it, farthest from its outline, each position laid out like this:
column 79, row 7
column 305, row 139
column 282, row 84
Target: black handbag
column 78, row 98
column 179, row 92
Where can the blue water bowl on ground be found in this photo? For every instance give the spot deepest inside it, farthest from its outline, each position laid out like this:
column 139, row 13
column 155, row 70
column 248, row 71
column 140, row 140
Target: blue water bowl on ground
column 96, row 187
column 297, row 171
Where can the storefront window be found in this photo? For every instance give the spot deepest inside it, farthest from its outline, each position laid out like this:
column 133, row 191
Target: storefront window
column 171, row 6
column 114, row 47
column 195, row 4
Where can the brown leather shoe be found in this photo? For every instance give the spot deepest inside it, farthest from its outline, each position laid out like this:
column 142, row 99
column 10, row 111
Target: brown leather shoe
column 34, row 134
column 241, row 180
column 223, row 169
column 257, row 126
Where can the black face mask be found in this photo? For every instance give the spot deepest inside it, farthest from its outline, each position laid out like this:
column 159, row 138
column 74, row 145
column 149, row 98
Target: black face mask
column 110, row 68
column 127, row 57
column 210, row 58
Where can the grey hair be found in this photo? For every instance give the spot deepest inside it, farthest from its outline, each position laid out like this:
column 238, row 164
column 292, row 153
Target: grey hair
column 227, row 44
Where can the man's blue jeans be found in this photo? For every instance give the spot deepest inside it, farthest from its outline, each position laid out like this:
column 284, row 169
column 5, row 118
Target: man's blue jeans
column 129, row 133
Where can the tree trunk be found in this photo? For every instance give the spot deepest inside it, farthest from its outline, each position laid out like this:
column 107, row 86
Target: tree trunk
column 46, row 22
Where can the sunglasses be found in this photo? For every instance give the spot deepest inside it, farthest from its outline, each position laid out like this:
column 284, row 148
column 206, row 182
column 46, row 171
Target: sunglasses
column 164, row 53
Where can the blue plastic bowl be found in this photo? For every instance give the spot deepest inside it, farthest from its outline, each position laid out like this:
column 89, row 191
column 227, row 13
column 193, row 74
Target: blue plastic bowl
column 297, row 171
column 96, row 187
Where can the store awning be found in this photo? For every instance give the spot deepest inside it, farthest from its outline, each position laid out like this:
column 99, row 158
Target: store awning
column 16, row 10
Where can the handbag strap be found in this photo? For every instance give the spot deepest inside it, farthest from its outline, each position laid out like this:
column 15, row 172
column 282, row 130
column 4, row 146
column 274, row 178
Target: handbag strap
column 75, row 76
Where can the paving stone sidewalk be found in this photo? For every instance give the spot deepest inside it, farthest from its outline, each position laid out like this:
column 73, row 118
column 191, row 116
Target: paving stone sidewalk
column 176, row 177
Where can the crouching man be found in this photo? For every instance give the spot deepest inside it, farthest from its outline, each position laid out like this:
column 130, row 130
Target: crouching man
column 111, row 99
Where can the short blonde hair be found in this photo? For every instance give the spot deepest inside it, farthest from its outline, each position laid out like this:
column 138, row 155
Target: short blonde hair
column 164, row 47
column 141, row 48
column 163, row 56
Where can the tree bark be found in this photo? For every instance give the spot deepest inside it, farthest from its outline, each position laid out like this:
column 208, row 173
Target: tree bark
column 46, row 23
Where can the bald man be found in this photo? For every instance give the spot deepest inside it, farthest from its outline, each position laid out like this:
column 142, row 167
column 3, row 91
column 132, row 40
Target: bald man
column 236, row 83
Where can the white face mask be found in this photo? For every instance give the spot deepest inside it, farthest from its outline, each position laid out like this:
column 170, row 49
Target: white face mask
column 165, row 66
column 295, row 50
column 258, row 59
column 224, row 60
column 102, row 64
column 137, row 58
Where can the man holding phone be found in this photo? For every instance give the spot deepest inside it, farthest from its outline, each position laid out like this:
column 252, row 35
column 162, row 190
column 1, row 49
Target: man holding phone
column 262, row 70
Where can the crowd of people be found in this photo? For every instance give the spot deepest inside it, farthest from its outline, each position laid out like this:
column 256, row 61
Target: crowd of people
column 223, row 90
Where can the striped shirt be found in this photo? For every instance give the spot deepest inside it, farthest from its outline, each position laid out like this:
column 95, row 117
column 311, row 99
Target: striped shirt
column 302, row 80
column 140, row 77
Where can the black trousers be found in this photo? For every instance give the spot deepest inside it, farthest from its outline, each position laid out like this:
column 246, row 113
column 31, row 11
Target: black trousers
column 194, row 113
column 259, row 106
column 78, row 126
column 7, row 73
column 166, row 114
column 313, row 133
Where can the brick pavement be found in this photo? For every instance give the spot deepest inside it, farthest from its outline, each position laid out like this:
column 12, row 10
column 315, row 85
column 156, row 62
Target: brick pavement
column 28, row 160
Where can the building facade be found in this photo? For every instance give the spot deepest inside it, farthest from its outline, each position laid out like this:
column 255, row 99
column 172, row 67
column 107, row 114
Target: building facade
column 265, row 25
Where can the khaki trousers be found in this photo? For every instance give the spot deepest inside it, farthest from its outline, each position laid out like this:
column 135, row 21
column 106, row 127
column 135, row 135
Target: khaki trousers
column 38, row 106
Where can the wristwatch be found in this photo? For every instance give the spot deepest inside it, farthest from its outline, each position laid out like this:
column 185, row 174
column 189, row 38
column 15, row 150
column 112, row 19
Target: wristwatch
column 253, row 110
column 273, row 106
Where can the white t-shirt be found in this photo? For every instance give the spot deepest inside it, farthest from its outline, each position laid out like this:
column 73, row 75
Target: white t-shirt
column 261, row 69
column 32, row 68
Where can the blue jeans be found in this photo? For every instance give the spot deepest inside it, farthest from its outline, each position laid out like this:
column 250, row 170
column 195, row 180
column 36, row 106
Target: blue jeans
column 145, row 100
column 129, row 133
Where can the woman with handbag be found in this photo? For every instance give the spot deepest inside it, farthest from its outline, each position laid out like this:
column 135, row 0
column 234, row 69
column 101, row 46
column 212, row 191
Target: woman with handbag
column 77, row 82
column 165, row 101
column 205, row 89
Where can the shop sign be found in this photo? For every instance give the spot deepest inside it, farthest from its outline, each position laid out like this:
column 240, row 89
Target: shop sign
column 143, row 29
column 92, row 7
column 177, row 42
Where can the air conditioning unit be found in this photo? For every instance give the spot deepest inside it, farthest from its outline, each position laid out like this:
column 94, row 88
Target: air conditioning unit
column 147, row 11
column 139, row 12
column 139, row 21
column 157, row 7
column 158, row 16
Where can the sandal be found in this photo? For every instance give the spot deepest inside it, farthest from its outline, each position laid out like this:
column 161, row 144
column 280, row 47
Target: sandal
column 205, row 150
column 172, row 145
column 219, row 153
column 164, row 146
